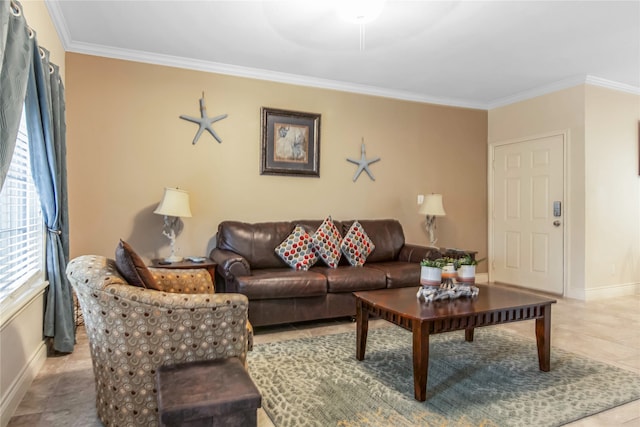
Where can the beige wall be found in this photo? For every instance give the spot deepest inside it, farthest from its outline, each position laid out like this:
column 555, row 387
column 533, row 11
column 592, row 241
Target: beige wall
column 126, row 143
column 613, row 196
column 602, row 156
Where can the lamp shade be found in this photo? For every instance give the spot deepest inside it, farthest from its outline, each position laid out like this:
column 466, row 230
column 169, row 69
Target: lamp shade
column 432, row 205
column 175, row 202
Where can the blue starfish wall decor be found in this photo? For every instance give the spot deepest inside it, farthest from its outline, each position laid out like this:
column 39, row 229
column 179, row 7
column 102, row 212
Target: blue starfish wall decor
column 363, row 163
column 204, row 122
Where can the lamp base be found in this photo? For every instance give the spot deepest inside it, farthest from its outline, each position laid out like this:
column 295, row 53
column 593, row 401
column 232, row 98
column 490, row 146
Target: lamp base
column 173, row 258
column 431, row 229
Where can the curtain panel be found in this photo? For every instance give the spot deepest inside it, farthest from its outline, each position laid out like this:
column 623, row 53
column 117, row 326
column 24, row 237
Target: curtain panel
column 26, row 64
column 45, row 111
column 16, row 46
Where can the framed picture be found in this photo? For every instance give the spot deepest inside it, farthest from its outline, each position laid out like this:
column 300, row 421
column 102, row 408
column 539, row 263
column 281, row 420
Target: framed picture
column 290, row 143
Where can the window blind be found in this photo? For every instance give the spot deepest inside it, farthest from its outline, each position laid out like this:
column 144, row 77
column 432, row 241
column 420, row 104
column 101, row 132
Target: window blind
column 21, row 227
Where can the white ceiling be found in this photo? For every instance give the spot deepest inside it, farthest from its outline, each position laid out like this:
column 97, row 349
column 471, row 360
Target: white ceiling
column 478, row 54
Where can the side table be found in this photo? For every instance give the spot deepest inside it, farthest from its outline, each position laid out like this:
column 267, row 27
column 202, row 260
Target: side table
column 207, row 264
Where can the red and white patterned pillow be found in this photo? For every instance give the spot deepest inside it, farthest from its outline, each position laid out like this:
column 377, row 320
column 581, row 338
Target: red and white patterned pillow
column 326, row 242
column 356, row 245
column 297, row 250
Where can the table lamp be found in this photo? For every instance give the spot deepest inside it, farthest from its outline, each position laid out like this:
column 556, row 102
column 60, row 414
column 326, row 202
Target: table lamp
column 432, row 207
column 174, row 204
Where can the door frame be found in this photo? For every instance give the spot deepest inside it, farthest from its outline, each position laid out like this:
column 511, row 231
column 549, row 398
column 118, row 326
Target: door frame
column 566, row 199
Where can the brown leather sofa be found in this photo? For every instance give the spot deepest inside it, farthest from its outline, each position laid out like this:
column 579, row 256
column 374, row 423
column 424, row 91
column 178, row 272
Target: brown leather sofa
column 247, row 264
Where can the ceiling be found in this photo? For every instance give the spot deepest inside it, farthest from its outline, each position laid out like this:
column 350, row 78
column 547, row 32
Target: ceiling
column 477, row 54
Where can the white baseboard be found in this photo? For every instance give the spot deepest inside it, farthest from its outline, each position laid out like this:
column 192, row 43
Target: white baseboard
column 21, row 384
column 603, row 292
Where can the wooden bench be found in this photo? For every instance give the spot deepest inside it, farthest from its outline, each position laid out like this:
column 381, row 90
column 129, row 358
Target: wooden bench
column 209, row 393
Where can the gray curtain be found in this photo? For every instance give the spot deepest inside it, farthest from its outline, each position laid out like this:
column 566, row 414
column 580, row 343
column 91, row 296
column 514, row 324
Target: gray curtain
column 15, row 54
column 45, row 112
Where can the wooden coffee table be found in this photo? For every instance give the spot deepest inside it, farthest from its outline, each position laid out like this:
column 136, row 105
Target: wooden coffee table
column 493, row 306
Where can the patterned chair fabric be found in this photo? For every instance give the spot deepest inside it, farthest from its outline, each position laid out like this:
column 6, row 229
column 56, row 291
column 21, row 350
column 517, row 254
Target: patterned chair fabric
column 132, row 331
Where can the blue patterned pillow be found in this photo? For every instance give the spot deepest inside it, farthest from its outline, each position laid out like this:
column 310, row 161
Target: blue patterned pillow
column 297, row 250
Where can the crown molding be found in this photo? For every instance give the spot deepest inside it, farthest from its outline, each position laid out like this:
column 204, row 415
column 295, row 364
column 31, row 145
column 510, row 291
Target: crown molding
column 59, row 23
column 610, row 84
column 260, row 74
column 298, row 80
column 535, row 92
column 560, row 85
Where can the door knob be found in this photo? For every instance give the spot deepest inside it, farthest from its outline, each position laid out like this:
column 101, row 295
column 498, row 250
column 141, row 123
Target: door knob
column 556, row 223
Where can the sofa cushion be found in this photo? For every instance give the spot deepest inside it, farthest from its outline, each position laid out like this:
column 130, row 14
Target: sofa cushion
column 326, row 241
column 282, row 283
column 399, row 274
column 297, row 250
column 351, row 279
column 132, row 267
column 356, row 245
column 255, row 242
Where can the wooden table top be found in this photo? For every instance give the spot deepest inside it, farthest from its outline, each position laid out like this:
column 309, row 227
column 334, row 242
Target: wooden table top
column 404, row 302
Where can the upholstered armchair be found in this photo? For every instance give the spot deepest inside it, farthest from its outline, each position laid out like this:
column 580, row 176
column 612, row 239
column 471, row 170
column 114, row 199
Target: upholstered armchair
column 132, row 331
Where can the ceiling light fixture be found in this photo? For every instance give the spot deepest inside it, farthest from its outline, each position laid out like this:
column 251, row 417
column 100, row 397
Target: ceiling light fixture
column 360, row 12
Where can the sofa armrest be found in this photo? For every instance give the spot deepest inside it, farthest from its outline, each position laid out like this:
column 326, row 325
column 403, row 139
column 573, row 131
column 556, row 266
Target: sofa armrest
column 416, row 253
column 230, row 266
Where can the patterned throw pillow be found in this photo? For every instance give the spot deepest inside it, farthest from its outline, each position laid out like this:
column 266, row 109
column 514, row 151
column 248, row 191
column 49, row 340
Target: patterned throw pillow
column 356, row 245
column 297, row 250
column 132, row 267
column 326, row 241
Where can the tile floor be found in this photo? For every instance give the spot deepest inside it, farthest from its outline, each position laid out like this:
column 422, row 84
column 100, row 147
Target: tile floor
column 607, row 330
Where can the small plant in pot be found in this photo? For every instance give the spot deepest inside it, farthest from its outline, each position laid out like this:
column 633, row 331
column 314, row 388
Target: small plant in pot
column 449, row 272
column 431, row 271
column 466, row 268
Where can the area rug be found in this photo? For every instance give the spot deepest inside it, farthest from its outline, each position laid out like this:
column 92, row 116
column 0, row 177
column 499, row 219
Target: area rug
column 492, row 381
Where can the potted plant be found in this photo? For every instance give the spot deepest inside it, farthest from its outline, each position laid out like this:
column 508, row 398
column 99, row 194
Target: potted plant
column 431, row 272
column 449, row 269
column 466, row 268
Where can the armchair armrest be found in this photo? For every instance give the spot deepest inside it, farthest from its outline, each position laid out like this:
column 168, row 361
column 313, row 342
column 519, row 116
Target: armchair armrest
column 230, row 266
column 180, row 328
column 416, row 253
column 191, row 281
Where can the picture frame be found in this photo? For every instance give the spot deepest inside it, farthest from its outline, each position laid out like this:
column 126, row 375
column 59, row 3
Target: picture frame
column 290, row 143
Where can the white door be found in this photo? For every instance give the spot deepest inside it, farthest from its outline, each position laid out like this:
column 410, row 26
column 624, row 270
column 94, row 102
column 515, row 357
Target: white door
column 527, row 232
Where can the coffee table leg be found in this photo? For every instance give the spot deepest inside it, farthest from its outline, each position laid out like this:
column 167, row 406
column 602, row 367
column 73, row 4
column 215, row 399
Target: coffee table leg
column 362, row 327
column 420, row 359
column 543, row 339
column 468, row 334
